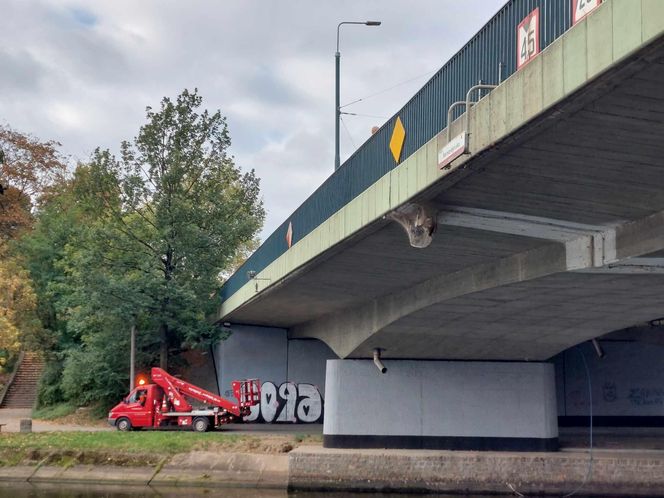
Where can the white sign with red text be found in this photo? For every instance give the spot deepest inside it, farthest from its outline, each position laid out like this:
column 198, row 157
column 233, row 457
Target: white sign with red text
column 455, row 147
column 527, row 39
column 581, row 8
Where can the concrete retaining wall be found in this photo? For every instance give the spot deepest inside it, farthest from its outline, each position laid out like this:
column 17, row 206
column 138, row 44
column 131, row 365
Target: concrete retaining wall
column 614, row 474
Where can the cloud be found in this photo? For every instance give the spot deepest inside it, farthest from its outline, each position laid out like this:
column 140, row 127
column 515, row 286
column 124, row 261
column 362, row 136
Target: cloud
column 82, row 73
column 21, row 72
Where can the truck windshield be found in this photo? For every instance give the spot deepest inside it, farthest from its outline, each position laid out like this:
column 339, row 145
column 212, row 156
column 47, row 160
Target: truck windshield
column 138, row 396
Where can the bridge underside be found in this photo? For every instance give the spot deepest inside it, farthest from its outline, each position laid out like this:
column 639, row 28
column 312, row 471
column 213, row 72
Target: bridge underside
column 549, row 238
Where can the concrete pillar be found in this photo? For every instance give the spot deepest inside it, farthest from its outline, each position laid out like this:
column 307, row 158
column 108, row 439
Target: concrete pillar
column 456, row 405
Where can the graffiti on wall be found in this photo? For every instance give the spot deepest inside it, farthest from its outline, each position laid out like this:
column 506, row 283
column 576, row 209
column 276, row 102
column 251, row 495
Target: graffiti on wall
column 646, row 396
column 609, row 392
column 288, row 403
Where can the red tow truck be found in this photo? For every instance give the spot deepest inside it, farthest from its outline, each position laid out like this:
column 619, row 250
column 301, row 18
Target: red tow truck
column 163, row 404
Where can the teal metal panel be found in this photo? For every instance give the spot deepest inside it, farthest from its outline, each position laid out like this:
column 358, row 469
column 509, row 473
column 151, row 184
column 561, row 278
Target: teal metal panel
column 423, row 116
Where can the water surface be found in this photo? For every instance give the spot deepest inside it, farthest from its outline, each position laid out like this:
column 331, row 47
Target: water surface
column 27, row 490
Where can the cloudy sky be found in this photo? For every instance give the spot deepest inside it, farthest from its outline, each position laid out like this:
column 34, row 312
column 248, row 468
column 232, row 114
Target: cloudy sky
column 82, row 73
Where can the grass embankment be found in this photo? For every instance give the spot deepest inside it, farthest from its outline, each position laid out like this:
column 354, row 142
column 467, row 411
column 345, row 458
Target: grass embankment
column 66, row 413
column 134, row 448
column 53, row 412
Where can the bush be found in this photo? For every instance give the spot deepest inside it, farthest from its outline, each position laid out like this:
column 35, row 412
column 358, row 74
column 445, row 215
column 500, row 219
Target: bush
column 7, row 361
column 50, row 392
column 95, row 375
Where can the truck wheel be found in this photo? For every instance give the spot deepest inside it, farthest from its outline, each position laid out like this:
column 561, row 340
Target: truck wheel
column 200, row 424
column 123, row 424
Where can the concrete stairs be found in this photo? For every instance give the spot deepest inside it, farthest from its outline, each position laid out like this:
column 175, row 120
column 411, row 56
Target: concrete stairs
column 22, row 392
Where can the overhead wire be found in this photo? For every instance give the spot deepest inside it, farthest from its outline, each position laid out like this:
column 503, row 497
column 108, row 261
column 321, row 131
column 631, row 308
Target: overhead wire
column 380, row 92
column 348, row 132
column 363, row 115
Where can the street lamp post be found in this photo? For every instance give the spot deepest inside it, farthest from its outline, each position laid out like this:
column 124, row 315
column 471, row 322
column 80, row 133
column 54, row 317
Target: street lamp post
column 337, row 107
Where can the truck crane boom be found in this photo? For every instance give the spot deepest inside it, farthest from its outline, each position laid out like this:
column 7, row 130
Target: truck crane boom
column 247, row 393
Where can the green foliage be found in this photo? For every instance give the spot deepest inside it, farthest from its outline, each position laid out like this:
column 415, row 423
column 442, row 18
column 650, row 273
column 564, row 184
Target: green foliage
column 7, row 361
column 95, row 371
column 177, row 200
column 50, row 391
column 141, row 239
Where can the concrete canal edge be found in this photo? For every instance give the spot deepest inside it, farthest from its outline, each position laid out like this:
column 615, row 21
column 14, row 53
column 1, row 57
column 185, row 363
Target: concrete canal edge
column 614, row 473
column 198, row 468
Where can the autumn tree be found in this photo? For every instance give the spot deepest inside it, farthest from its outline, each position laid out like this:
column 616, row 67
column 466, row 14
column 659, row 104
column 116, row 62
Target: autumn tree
column 19, row 324
column 29, row 168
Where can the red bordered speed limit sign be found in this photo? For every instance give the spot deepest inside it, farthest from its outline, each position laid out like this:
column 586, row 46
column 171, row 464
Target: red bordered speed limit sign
column 527, row 38
column 581, row 8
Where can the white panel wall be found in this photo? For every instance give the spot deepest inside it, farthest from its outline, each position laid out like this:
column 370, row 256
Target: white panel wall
column 252, row 352
column 266, row 353
column 441, row 398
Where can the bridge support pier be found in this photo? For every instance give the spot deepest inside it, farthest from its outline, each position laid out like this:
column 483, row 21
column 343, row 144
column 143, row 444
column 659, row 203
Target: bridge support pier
column 457, row 405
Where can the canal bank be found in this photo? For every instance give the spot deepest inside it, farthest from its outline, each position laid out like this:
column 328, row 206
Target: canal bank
column 615, row 472
column 194, row 469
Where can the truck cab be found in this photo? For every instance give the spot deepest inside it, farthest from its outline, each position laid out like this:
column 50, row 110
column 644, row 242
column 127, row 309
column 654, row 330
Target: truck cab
column 138, row 409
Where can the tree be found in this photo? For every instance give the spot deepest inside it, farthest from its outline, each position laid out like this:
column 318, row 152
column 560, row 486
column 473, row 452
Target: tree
column 28, row 170
column 173, row 212
column 83, row 305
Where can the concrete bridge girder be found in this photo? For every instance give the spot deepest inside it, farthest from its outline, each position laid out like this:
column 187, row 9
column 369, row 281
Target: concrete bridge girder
column 566, row 248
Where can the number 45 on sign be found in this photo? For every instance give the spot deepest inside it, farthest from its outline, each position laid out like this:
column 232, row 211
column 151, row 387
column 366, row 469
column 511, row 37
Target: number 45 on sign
column 527, row 39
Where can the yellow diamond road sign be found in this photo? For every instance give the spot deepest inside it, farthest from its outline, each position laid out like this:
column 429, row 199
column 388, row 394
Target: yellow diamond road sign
column 398, row 137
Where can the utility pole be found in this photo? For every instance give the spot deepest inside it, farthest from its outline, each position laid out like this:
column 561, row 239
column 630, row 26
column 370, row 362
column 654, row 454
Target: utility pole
column 132, row 357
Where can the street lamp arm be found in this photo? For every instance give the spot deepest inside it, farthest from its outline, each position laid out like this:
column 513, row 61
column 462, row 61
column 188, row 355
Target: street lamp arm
column 366, row 23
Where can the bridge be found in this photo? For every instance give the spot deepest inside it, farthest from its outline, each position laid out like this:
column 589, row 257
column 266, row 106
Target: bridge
column 511, row 210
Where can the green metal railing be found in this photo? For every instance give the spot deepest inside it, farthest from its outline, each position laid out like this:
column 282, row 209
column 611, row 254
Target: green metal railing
column 423, row 116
